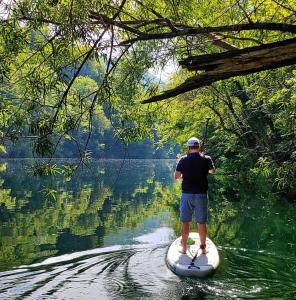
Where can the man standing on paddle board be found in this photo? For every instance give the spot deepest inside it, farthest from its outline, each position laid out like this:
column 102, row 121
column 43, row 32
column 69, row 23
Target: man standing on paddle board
column 193, row 168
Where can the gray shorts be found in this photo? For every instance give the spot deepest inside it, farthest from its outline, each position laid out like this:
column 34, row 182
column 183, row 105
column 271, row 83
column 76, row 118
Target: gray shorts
column 197, row 203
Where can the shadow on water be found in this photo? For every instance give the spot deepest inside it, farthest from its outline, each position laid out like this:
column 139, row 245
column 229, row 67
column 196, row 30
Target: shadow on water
column 98, row 237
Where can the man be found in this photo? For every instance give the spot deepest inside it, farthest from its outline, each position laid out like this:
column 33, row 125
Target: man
column 193, row 168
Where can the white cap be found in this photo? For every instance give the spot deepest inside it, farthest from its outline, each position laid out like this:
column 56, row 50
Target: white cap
column 193, row 142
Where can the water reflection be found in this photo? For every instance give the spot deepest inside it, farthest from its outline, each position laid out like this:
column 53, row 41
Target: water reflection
column 104, row 235
column 97, row 202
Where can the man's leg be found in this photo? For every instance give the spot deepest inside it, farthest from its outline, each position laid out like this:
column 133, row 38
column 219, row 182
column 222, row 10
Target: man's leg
column 201, row 215
column 202, row 230
column 185, row 234
column 186, row 216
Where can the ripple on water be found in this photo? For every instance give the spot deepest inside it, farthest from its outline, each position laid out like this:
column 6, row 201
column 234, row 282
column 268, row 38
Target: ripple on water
column 255, row 274
column 140, row 272
column 86, row 274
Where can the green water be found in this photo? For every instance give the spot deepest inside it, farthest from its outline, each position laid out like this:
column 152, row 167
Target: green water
column 104, row 235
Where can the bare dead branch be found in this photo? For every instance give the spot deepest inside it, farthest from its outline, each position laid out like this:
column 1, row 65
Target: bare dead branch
column 220, row 66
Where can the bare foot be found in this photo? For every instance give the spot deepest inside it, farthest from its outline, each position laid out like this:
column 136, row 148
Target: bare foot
column 203, row 249
column 181, row 250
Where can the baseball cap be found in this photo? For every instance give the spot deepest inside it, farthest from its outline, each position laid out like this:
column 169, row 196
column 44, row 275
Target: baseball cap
column 193, row 142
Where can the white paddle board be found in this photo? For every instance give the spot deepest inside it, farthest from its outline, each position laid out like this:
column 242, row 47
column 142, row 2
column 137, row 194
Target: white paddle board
column 202, row 265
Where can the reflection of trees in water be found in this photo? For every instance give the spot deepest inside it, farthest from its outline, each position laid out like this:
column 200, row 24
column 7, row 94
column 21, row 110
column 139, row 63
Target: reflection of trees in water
column 241, row 215
column 27, row 234
column 78, row 214
column 90, row 206
column 248, row 215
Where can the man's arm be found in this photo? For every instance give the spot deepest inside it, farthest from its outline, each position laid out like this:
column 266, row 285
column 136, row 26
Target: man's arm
column 212, row 169
column 178, row 175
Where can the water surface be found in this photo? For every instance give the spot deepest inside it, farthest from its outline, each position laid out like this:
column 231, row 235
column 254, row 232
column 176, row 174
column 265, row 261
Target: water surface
column 104, row 235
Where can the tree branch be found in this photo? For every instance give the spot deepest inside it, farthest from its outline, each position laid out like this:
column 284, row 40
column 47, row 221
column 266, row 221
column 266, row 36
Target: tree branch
column 41, row 20
column 283, row 27
column 102, row 19
column 220, row 66
column 233, row 37
column 88, row 54
column 284, row 6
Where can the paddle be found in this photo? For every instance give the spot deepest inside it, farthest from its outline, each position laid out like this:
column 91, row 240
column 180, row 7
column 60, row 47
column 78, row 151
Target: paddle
column 201, row 150
column 203, row 141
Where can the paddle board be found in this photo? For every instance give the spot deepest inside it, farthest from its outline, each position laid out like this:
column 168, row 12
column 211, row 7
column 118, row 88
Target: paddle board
column 203, row 264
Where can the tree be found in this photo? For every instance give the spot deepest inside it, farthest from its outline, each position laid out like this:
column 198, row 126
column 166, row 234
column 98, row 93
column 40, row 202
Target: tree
column 234, row 62
column 47, row 36
column 127, row 41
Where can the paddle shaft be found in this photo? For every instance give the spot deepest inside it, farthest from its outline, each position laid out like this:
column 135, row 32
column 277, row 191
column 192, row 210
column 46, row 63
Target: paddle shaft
column 205, row 134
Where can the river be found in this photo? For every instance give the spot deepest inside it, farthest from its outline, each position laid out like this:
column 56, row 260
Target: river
column 104, row 233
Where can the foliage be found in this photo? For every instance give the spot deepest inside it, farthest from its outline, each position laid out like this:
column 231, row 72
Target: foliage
column 75, row 72
column 44, row 169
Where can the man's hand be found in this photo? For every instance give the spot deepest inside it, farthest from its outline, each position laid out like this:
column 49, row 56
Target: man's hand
column 212, row 171
column 178, row 175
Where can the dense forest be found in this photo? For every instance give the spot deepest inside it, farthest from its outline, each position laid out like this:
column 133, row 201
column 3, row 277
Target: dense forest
column 73, row 71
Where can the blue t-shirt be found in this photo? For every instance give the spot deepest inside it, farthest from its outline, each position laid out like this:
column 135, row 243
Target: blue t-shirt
column 194, row 168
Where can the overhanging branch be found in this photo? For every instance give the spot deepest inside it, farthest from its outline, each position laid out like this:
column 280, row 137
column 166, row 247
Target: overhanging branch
column 283, row 27
column 220, row 66
column 180, row 30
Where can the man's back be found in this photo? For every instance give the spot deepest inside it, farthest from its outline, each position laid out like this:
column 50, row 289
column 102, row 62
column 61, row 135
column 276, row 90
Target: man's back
column 194, row 168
